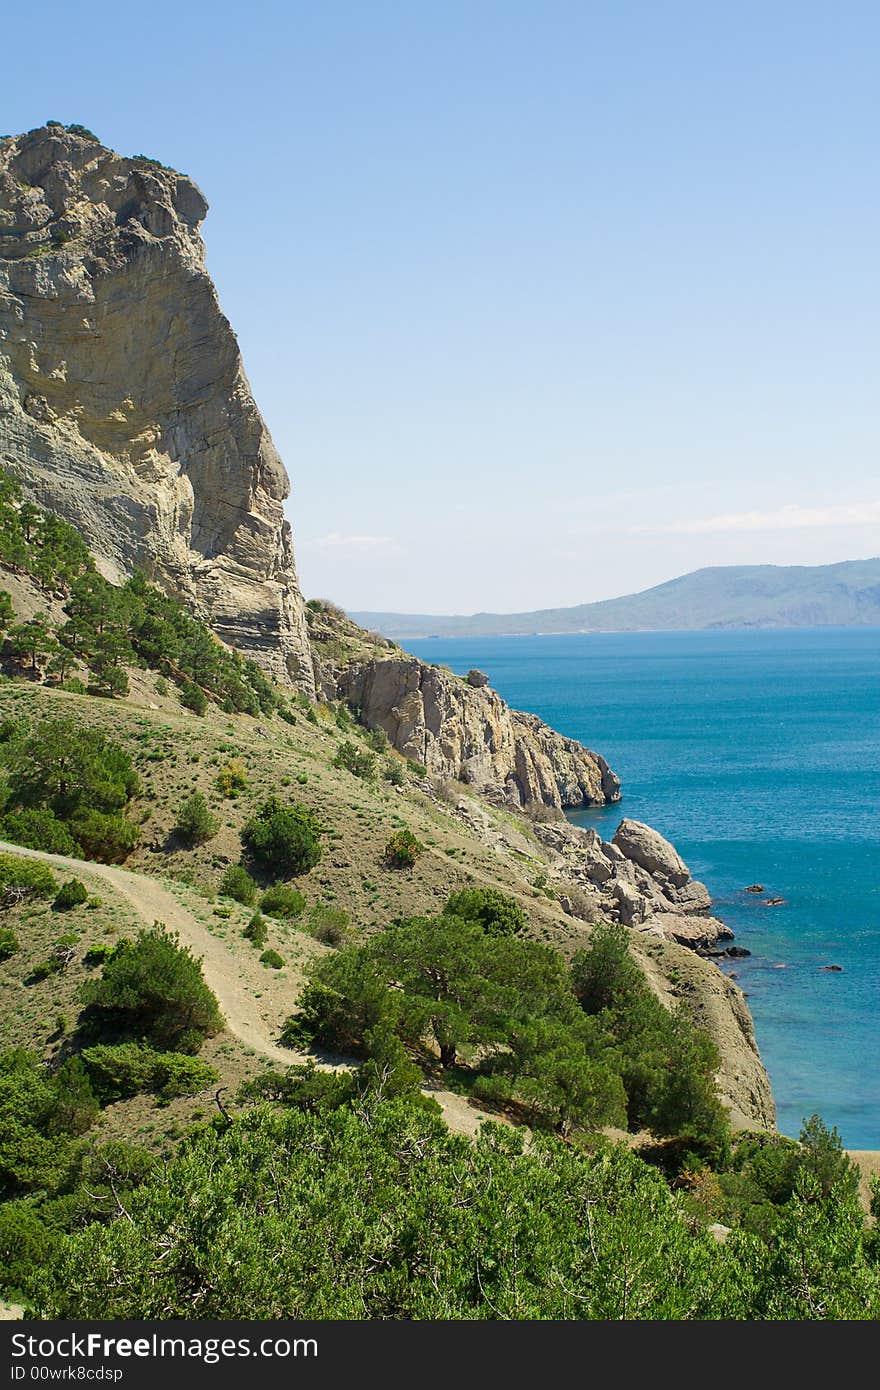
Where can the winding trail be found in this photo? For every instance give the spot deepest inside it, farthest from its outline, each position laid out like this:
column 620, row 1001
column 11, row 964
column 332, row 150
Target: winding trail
column 234, row 978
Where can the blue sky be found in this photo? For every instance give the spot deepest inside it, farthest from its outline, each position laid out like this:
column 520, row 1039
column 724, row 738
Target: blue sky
column 543, row 302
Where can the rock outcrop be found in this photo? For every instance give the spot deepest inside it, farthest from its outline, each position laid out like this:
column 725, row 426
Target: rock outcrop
column 461, row 730
column 124, row 405
column 637, row 878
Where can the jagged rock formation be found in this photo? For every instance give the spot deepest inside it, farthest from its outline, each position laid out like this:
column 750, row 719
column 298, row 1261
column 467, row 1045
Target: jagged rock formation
column 464, row 731
column 124, row 406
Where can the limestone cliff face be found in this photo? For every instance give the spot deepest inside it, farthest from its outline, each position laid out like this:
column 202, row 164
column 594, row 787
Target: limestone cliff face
column 466, row 731
column 124, row 405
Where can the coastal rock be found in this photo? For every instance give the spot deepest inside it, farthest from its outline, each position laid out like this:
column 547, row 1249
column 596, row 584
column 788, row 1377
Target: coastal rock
column 124, row 405
column 698, row 933
column 469, row 734
column 648, row 848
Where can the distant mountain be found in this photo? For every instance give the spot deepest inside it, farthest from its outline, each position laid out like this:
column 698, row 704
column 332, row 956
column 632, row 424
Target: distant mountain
column 724, row 596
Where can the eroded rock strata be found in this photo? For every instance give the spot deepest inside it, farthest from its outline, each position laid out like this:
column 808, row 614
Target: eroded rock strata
column 464, row 731
column 124, row 406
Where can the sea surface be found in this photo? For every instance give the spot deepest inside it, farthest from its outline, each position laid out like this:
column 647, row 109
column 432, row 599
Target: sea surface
column 758, row 754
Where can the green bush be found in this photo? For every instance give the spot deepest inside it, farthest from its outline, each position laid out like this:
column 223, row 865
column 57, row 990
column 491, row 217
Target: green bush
column 272, row 959
column 328, row 924
column 71, row 894
column 356, row 761
column 97, row 955
column 38, row 827
column 119, row 1070
column 500, row 1006
column 108, row 837
column 193, row 697
column 65, row 767
column 256, row 931
column 496, row 913
column 152, row 990
column 282, row 900
column 9, row 943
column 195, row 822
column 22, row 878
column 41, row 1114
column 232, row 778
column 394, row 772
column 402, row 850
column 668, row 1065
column 237, row 883
column 283, row 840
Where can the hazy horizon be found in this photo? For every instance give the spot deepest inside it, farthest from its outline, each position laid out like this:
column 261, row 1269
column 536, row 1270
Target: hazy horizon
column 579, row 603
column 543, row 303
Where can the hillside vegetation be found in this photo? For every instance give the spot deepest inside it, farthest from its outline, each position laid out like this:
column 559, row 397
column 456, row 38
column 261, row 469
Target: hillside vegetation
column 154, row 1164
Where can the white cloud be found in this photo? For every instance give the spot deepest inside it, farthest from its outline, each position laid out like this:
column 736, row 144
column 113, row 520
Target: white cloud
column 789, row 518
column 336, row 542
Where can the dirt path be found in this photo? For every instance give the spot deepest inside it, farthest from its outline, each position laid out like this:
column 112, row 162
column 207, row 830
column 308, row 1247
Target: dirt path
column 235, row 978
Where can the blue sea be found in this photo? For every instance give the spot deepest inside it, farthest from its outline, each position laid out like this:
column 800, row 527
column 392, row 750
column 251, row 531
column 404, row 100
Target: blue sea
column 758, row 754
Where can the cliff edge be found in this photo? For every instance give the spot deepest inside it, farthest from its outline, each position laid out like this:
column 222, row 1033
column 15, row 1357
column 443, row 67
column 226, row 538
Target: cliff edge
column 124, row 405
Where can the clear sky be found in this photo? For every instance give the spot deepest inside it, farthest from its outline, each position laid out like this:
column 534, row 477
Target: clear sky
column 543, row 301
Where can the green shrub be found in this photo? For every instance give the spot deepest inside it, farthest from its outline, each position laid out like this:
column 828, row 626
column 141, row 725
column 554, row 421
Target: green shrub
column 394, row 772
column 356, row 761
column 256, row 931
column 378, row 741
column 73, row 893
column 9, row 943
column 417, row 769
column 496, row 913
column 272, row 959
column 237, row 883
column 38, row 827
column 328, row 924
column 108, row 837
column 41, row 1114
column 193, row 697
column 668, row 1065
column 195, row 822
column 118, row 1070
column 97, row 955
column 44, row 969
column 501, row 1006
column 152, row 989
column 283, row 840
column 22, row 878
column 65, row 767
column 402, row 850
column 283, row 901
column 232, row 778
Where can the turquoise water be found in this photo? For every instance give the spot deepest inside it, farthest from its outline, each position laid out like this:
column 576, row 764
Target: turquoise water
column 758, row 754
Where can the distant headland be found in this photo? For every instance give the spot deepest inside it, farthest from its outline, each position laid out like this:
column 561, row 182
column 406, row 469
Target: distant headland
column 724, row 596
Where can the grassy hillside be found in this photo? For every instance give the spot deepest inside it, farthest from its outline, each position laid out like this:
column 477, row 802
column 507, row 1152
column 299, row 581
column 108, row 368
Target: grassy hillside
column 843, row 595
column 209, row 891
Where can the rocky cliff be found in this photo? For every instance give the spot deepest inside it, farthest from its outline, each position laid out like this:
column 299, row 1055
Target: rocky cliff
column 124, row 405
column 462, row 729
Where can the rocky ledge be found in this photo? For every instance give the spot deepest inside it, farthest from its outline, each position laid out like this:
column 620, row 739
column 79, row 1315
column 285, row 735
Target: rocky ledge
column 460, row 728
